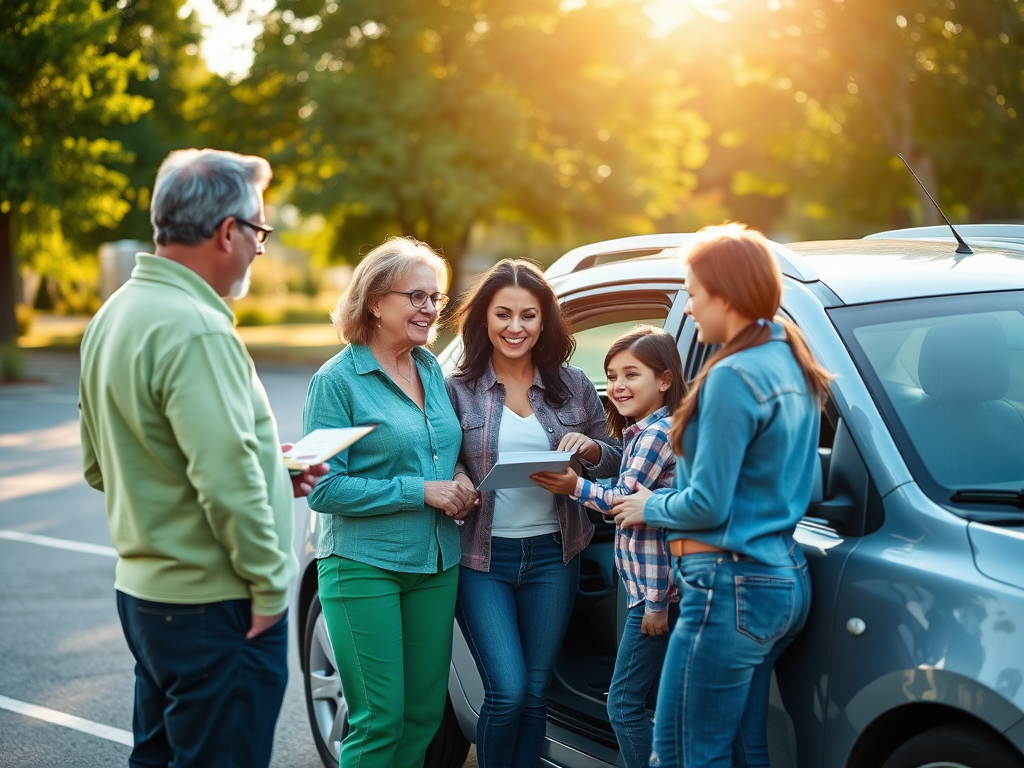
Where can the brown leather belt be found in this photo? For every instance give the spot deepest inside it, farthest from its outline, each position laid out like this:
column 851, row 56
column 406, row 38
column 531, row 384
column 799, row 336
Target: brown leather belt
column 681, row 547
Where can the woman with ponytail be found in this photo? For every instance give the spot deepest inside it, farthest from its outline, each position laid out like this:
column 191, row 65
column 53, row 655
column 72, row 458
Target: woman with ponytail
column 746, row 439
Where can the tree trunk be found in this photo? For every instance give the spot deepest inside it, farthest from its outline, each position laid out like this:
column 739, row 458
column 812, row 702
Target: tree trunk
column 8, row 320
column 925, row 170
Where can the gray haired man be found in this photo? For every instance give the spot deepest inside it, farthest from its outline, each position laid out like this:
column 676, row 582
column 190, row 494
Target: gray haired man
column 178, row 434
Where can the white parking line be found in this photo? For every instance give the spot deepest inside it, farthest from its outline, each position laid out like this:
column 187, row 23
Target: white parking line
column 68, row 721
column 46, row 541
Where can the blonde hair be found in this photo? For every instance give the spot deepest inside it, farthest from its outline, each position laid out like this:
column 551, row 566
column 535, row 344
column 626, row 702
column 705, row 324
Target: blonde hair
column 377, row 275
column 736, row 264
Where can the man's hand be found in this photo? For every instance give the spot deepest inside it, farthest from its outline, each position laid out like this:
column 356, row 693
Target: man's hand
column 302, row 484
column 262, row 624
column 654, row 624
column 629, row 510
column 564, row 483
column 581, row 445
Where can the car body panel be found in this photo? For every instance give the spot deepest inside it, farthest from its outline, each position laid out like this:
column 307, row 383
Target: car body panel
column 937, row 630
column 997, row 551
column 862, row 271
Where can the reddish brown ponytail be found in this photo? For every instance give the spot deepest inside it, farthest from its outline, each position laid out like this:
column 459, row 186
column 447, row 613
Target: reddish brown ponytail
column 736, row 264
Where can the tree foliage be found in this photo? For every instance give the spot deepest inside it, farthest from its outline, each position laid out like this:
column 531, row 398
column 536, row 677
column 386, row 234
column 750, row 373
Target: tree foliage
column 423, row 118
column 813, row 99
column 58, row 90
column 429, row 117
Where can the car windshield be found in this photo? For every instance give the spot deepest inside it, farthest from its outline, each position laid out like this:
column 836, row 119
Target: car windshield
column 948, row 376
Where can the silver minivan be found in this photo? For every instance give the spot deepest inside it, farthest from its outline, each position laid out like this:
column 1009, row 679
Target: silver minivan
column 915, row 537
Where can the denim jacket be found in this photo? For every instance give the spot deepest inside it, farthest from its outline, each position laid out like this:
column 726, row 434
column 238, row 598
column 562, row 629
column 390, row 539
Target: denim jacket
column 746, row 474
column 479, row 407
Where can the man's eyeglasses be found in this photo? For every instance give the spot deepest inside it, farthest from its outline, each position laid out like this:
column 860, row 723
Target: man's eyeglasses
column 419, row 298
column 262, row 232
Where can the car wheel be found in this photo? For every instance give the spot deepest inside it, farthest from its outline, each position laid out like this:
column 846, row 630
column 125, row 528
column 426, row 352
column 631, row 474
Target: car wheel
column 957, row 746
column 328, row 710
column 325, row 699
column 449, row 747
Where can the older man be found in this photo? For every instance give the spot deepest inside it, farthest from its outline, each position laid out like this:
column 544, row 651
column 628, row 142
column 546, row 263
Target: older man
column 178, row 433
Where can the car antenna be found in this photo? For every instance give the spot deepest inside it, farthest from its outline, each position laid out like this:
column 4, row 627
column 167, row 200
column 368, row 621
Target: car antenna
column 963, row 247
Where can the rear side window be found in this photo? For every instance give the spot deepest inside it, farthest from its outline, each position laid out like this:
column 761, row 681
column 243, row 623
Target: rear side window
column 599, row 320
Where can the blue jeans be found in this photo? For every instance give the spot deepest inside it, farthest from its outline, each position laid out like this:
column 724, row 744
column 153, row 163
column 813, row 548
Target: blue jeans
column 637, row 668
column 736, row 619
column 514, row 619
column 204, row 694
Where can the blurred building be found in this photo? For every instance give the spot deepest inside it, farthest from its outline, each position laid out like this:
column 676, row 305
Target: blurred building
column 117, row 260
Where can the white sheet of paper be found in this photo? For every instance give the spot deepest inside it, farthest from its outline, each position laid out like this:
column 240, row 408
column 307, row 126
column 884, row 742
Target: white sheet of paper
column 320, row 444
column 513, row 469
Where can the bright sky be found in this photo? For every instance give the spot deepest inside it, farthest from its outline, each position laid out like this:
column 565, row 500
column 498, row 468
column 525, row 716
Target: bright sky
column 227, row 42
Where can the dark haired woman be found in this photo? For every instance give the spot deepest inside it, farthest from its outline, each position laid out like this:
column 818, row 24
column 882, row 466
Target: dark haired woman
column 746, row 438
column 514, row 391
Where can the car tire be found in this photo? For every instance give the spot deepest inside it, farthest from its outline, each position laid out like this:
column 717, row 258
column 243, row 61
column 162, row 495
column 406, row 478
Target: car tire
column 325, row 698
column 328, row 709
column 956, row 746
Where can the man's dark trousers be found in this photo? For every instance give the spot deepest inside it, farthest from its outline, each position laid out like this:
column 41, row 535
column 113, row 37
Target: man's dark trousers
column 205, row 696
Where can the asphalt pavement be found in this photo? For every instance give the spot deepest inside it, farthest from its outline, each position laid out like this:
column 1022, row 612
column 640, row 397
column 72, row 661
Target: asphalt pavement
column 63, row 658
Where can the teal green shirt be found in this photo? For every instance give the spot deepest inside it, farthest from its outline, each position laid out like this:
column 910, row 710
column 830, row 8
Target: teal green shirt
column 178, row 433
column 372, row 497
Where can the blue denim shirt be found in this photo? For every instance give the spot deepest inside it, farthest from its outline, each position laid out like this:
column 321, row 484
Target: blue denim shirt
column 373, row 494
column 745, row 478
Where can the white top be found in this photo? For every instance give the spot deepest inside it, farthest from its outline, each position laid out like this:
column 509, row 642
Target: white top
column 523, row 512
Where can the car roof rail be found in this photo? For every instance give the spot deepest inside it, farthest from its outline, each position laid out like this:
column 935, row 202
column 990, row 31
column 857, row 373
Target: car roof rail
column 624, row 248
column 1010, row 233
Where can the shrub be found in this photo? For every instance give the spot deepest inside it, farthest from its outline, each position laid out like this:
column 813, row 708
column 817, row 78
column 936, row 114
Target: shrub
column 12, row 362
column 23, row 313
column 306, row 315
column 255, row 314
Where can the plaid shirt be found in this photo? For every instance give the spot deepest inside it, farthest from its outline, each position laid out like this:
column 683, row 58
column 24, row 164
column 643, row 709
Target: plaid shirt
column 640, row 555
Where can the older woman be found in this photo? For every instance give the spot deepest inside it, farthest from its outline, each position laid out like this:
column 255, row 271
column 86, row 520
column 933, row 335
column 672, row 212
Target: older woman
column 389, row 546
column 514, row 391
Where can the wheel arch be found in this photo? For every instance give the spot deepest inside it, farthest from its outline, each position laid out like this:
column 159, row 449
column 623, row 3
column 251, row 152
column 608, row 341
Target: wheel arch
column 924, row 699
column 307, row 591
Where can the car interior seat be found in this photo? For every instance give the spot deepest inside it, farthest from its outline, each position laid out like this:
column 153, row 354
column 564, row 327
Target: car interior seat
column 966, row 431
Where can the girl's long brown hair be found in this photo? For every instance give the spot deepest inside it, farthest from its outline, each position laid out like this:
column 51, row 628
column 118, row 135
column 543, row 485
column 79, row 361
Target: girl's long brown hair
column 736, row 264
column 657, row 350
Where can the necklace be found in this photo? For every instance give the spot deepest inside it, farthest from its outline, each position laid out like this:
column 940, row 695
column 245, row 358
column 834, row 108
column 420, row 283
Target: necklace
column 399, row 372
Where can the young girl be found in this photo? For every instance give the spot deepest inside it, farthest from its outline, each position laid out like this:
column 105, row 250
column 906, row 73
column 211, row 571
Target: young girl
column 645, row 385
column 746, row 439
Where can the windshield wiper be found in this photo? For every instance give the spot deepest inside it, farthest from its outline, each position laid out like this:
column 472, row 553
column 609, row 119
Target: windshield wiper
column 988, row 496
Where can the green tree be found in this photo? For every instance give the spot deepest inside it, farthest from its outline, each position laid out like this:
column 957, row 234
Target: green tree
column 177, row 82
column 424, row 118
column 56, row 85
column 812, row 100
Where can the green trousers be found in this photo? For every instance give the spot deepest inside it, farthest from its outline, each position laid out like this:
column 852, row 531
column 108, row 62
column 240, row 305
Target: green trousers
column 392, row 638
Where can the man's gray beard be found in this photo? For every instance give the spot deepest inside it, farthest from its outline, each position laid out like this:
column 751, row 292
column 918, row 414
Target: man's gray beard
column 241, row 286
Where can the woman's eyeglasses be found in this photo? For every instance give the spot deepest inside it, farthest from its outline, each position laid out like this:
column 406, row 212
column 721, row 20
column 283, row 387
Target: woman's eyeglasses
column 419, row 298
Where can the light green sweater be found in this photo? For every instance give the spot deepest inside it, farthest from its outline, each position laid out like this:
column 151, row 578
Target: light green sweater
column 178, row 433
